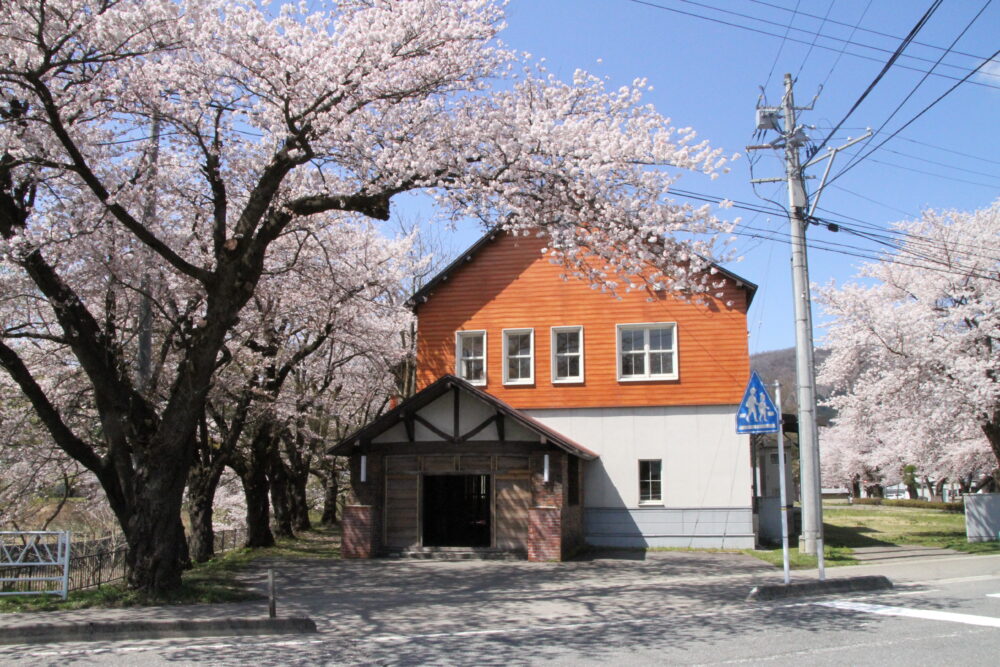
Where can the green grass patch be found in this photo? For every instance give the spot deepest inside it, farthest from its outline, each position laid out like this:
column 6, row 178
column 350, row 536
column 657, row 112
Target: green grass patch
column 206, row 583
column 833, row 557
column 873, row 526
column 908, row 502
column 849, row 527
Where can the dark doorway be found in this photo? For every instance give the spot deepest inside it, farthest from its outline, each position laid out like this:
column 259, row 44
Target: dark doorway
column 456, row 510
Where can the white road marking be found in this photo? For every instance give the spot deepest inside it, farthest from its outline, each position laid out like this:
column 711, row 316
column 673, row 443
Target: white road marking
column 929, row 614
column 993, row 595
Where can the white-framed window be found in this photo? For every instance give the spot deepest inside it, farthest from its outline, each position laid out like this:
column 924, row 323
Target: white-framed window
column 470, row 356
column 647, row 351
column 567, row 354
column 518, row 356
column 651, row 482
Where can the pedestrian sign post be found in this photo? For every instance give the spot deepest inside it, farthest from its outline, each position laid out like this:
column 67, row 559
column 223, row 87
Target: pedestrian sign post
column 757, row 413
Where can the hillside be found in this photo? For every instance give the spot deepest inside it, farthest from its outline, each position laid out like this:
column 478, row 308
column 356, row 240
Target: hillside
column 780, row 365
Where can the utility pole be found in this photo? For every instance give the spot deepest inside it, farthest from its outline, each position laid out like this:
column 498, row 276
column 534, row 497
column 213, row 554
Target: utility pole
column 811, row 540
column 792, row 138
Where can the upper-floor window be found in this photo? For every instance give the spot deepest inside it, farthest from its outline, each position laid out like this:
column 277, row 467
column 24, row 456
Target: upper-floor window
column 518, row 356
column 567, row 354
column 647, row 351
column 470, row 356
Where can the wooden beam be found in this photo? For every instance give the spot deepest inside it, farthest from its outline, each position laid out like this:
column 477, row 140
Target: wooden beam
column 408, row 423
column 475, row 448
column 454, row 430
column 500, row 422
column 477, row 429
column 434, row 429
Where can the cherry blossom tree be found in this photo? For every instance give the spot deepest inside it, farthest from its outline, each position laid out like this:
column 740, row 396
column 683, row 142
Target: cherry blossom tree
column 915, row 351
column 263, row 120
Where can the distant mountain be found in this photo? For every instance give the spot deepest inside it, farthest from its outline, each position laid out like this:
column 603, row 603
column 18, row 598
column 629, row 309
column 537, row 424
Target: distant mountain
column 780, row 365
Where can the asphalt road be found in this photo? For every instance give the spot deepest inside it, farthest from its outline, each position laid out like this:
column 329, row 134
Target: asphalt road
column 669, row 609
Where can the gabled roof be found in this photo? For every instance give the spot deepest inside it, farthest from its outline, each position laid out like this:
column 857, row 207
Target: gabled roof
column 421, row 295
column 439, row 388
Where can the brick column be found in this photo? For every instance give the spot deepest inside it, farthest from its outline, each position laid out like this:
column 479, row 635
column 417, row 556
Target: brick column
column 358, row 532
column 544, row 533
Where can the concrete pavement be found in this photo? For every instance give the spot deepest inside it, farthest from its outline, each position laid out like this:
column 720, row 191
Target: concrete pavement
column 381, row 598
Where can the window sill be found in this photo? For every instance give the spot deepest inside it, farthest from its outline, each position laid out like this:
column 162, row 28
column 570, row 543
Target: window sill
column 568, row 381
column 519, row 383
column 651, row 503
column 650, row 378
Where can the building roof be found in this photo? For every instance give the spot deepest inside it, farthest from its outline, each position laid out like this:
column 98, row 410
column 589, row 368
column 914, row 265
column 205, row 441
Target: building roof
column 421, row 295
column 437, row 389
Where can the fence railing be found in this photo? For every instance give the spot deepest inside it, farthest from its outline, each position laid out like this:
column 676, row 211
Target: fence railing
column 35, row 559
column 92, row 563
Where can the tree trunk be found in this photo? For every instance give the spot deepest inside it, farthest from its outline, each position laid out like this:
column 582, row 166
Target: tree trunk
column 330, row 492
column 157, row 547
column 939, row 489
column 202, row 484
column 280, row 500
column 992, row 431
column 875, row 491
column 856, row 487
column 911, row 490
column 299, row 503
column 258, row 508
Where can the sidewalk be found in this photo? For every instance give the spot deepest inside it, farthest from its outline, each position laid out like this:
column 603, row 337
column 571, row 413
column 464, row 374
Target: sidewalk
column 379, row 598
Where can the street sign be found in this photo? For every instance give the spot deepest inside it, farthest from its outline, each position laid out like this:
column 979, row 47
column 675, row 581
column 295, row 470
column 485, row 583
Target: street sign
column 757, row 413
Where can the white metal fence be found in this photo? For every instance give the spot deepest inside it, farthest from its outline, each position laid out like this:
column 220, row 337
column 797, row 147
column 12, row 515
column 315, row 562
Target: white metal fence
column 34, row 562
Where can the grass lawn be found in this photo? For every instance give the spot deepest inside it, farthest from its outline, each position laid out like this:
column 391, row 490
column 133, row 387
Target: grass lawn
column 205, row 583
column 847, row 527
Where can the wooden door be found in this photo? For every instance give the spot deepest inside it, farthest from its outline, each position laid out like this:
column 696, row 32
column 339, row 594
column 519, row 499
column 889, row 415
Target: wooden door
column 402, row 510
column 513, row 497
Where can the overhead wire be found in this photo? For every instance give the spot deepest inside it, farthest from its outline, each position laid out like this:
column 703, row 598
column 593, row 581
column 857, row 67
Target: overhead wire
column 781, row 46
column 854, row 28
column 927, row 108
column 878, row 77
column 868, row 30
column 819, row 31
column 654, row 5
column 924, row 77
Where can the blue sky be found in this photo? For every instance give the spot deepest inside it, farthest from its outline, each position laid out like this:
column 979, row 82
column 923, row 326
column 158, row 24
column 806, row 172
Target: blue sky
column 709, row 75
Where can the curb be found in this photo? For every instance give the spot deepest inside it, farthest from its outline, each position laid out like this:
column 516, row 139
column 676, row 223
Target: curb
column 109, row 630
column 827, row 587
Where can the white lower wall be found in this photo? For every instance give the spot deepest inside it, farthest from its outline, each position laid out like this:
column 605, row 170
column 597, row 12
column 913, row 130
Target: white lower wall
column 706, row 474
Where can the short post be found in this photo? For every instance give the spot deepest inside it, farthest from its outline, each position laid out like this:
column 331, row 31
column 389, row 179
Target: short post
column 64, row 541
column 781, row 481
column 271, row 605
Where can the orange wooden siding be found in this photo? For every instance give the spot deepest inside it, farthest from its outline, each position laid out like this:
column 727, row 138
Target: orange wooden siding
column 510, row 285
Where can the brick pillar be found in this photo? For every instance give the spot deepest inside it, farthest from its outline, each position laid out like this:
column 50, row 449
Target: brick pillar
column 544, row 533
column 358, row 532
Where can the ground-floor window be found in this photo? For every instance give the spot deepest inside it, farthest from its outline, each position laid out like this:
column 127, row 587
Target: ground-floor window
column 650, row 481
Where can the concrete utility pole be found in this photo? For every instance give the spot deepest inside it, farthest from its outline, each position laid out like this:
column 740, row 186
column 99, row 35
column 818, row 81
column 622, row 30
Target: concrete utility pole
column 811, row 539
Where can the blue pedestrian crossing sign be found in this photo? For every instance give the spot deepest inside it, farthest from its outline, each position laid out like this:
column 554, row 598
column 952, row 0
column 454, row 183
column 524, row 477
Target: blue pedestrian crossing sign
column 757, row 413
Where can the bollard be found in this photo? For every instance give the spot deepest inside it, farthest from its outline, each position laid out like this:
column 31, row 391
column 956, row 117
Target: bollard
column 271, row 606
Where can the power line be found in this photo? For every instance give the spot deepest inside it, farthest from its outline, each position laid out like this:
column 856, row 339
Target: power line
column 784, row 39
column 682, row 12
column 924, row 77
column 912, row 120
column 854, row 29
column 819, row 31
column 885, row 68
column 950, row 150
column 868, row 30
